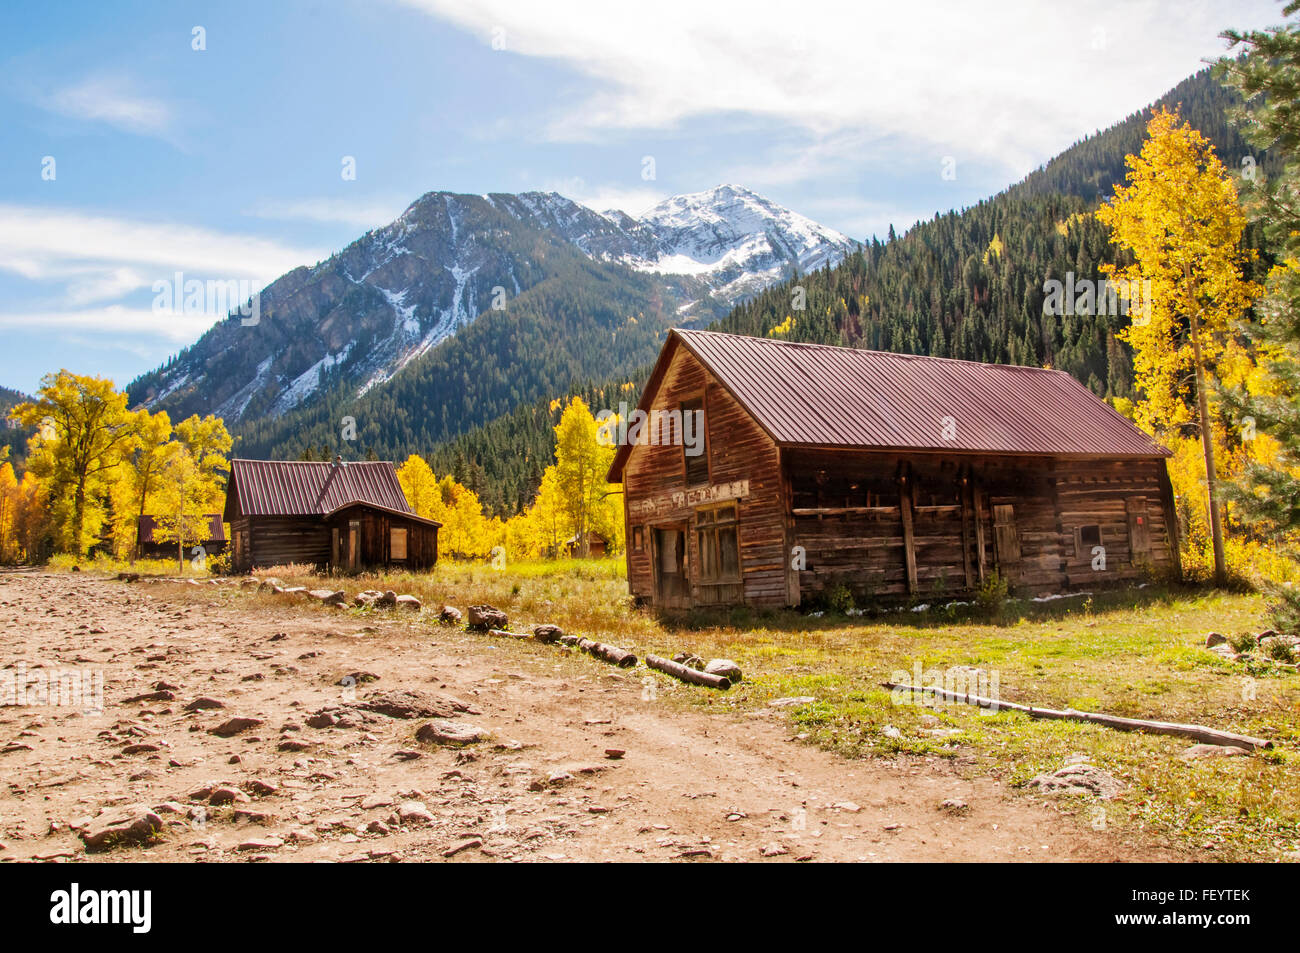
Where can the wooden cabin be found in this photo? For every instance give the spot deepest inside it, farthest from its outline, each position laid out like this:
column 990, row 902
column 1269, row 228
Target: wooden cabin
column 148, row 546
column 893, row 475
column 344, row 516
column 597, row 545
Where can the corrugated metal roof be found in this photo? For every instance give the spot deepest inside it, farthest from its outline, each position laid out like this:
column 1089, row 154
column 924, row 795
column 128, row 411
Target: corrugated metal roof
column 216, row 531
column 305, row 488
column 823, row 396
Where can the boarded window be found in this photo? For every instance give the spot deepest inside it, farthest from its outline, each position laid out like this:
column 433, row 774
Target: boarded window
column 1139, row 531
column 1005, row 539
column 397, row 543
column 696, row 454
column 716, row 532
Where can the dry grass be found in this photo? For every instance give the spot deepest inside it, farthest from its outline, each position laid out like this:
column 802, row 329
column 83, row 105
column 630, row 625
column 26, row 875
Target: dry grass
column 1137, row 653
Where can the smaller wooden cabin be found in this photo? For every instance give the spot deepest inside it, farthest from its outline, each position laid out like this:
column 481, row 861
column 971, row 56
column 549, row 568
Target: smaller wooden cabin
column 148, row 546
column 343, row 516
column 764, row 472
column 597, row 545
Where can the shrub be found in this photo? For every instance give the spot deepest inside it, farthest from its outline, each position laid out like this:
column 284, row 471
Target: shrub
column 218, row 565
column 839, row 598
column 992, row 592
column 1279, row 651
column 1284, row 608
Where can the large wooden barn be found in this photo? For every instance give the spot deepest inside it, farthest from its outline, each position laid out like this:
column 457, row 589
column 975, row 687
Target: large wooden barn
column 893, row 475
column 343, row 516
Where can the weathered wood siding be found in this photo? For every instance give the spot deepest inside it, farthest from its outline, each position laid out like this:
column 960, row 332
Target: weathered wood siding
column 280, row 540
column 375, row 547
column 241, row 553
column 737, row 450
column 262, row 541
column 967, row 516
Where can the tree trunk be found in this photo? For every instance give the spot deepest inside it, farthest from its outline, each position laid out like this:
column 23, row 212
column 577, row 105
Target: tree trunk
column 1207, row 446
column 78, row 517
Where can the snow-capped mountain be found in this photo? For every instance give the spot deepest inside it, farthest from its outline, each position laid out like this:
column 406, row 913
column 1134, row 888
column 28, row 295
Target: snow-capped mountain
column 357, row 319
column 733, row 239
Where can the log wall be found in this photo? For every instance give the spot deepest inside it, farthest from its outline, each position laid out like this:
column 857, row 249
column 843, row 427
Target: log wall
column 1027, row 518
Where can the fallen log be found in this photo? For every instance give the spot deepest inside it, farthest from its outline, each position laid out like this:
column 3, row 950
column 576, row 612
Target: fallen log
column 1211, row 736
column 694, row 676
column 510, row 635
column 609, row 653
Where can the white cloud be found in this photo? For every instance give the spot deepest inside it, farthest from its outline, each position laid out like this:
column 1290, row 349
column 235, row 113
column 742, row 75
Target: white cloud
column 93, row 259
column 112, row 100
column 366, row 213
column 174, row 326
column 40, row 244
column 1011, row 83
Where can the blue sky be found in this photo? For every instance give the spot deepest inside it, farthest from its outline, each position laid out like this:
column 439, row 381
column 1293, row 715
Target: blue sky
column 226, row 162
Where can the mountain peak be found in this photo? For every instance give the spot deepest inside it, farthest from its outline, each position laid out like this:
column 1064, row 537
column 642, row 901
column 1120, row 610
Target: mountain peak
column 358, row 319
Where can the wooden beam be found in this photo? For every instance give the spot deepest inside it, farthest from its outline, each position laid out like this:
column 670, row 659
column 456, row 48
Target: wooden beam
column 905, row 510
column 841, row 510
column 977, row 496
column 965, row 531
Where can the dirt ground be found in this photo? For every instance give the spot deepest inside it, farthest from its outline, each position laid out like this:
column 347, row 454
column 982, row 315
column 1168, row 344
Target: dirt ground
column 691, row 785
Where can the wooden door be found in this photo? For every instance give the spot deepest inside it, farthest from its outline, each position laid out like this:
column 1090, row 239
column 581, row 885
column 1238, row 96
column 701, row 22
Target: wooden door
column 1139, row 530
column 334, row 547
column 1006, row 541
column 672, row 587
column 354, row 545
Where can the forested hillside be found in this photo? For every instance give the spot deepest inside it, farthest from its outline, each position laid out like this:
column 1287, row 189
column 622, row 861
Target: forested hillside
column 11, row 436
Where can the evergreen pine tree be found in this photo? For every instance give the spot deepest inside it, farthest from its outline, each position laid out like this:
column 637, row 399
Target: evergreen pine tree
column 1268, row 495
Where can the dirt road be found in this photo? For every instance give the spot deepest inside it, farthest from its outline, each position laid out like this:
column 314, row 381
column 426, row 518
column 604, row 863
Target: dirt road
column 691, row 785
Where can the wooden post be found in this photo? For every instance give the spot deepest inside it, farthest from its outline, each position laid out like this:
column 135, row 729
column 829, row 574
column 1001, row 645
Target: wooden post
column 905, row 511
column 1171, row 519
column 965, row 490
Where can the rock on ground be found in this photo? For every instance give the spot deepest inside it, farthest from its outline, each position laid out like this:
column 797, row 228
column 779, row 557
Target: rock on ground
column 487, row 617
column 1079, row 779
column 120, row 827
column 443, row 731
column 725, row 668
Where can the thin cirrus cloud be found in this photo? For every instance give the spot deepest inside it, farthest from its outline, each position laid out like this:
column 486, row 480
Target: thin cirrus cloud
column 114, row 101
column 363, row 213
column 116, row 321
column 1001, row 84
column 79, row 259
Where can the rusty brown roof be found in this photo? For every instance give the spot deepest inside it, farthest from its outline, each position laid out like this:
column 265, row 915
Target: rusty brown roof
column 306, row 488
column 216, row 530
column 823, row 396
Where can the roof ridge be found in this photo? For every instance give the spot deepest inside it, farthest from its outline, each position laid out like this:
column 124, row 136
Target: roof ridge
column 866, row 350
column 319, row 463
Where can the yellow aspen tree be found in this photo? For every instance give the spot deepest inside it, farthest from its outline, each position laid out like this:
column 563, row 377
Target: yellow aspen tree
column 1179, row 216
column 83, row 431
